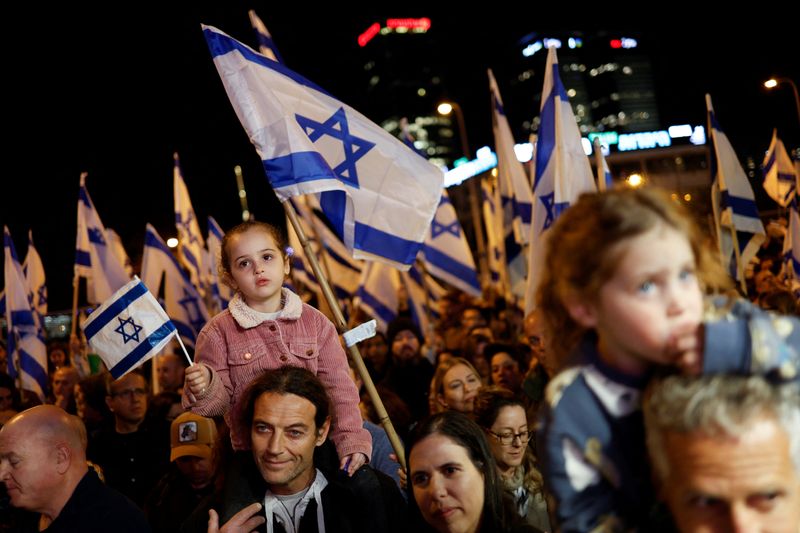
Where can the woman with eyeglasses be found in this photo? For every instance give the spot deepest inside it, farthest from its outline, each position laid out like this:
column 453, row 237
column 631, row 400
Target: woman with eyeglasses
column 502, row 416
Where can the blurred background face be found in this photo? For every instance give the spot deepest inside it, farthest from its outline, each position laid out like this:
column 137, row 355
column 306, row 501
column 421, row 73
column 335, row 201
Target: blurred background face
column 506, row 371
column 6, row 399
column 198, row 471
column 375, row 349
column 128, row 399
column 64, row 381
column 459, row 388
column 405, row 345
column 169, row 372
column 510, row 421
column 58, row 357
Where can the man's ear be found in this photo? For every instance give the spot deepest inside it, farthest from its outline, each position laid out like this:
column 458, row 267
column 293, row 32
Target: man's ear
column 322, row 433
column 109, row 403
column 581, row 310
column 63, row 458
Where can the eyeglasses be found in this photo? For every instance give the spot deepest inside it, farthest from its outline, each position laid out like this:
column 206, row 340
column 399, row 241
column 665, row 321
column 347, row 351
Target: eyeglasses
column 508, row 438
column 130, row 393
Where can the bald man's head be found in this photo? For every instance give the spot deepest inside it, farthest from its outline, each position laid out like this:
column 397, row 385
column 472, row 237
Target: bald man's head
column 170, row 370
column 42, row 458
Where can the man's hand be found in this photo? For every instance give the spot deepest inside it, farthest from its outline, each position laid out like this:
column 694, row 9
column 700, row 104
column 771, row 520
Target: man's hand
column 245, row 521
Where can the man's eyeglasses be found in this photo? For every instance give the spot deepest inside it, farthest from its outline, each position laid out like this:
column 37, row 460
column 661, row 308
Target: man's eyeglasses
column 128, row 394
column 508, row 438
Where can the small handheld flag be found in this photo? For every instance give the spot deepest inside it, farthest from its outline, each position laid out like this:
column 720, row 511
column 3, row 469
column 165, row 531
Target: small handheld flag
column 128, row 329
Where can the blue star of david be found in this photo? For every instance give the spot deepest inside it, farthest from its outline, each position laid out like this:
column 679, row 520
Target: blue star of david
column 437, row 228
column 187, row 228
column 553, row 209
column 337, row 127
column 125, row 335
column 96, row 236
column 189, row 304
column 42, row 293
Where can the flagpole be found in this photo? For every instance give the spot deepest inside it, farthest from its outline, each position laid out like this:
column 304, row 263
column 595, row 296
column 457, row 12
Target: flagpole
column 180, row 341
column 341, row 326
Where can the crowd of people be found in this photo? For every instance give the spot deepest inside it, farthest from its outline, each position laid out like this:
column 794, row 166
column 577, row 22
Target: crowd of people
column 643, row 394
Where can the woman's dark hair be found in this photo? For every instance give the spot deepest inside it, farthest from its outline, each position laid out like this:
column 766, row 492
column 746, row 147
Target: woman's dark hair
column 488, row 403
column 460, row 429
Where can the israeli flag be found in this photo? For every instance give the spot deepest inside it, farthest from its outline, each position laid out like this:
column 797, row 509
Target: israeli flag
column 265, row 43
column 27, row 354
column 94, row 258
column 115, row 243
column 221, row 293
column 128, row 329
column 733, row 202
column 604, row 179
column 183, row 303
column 377, row 293
column 343, row 272
column 562, row 170
column 514, row 185
column 492, row 217
column 381, row 196
column 423, row 297
column 34, row 274
column 301, row 270
column 191, row 248
column 780, row 175
column 446, row 251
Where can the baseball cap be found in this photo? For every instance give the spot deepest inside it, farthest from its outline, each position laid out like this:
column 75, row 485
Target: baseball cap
column 192, row 435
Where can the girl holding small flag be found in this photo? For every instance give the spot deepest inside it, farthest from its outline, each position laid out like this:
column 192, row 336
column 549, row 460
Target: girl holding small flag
column 267, row 326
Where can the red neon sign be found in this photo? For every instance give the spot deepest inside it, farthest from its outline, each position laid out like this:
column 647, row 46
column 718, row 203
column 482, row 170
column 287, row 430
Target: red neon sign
column 423, row 24
column 616, row 43
column 367, row 36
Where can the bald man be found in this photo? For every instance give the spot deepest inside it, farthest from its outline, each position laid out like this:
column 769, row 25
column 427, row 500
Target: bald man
column 43, row 466
column 169, row 369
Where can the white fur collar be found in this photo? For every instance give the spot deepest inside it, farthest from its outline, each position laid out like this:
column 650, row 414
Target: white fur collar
column 248, row 317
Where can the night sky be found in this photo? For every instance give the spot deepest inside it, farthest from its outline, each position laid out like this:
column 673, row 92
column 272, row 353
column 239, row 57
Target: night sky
column 116, row 93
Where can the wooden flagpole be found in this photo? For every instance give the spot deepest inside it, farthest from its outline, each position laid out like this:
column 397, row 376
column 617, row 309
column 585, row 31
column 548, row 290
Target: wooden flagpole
column 341, row 327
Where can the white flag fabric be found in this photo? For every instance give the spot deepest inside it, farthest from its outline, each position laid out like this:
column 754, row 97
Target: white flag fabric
column 27, row 354
column 128, row 329
column 492, row 216
column 513, row 182
column 446, row 252
column 184, row 305
column 94, row 258
column 377, row 293
column 604, row 179
column 562, row 170
column 191, row 248
column 379, row 195
column 265, row 43
column 115, row 243
column 780, row 175
column 221, row 293
column 734, row 204
column 34, row 273
column 423, row 297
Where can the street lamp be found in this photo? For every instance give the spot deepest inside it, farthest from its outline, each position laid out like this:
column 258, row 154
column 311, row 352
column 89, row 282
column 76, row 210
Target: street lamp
column 774, row 82
column 445, row 108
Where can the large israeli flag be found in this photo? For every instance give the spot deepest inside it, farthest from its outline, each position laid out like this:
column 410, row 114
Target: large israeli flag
column 94, row 258
column 381, row 196
column 446, row 251
column 265, row 43
column 733, row 202
column 183, row 303
column 780, row 175
column 191, row 248
column 562, row 170
column 34, row 274
column 377, row 293
column 221, row 293
column 128, row 329
column 27, row 354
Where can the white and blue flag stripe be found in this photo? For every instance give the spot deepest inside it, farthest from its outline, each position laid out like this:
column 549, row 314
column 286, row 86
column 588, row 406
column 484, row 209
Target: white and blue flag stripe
column 128, row 329
column 734, row 203
column 265, row 43
column 191, row 248
column 94, row 259
column 562, row 171
column 221, row 293
column 27, row 354
column 380, row 195
column 780, row 174
column 34, row 274
column 183, row 303
column 377, row 293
